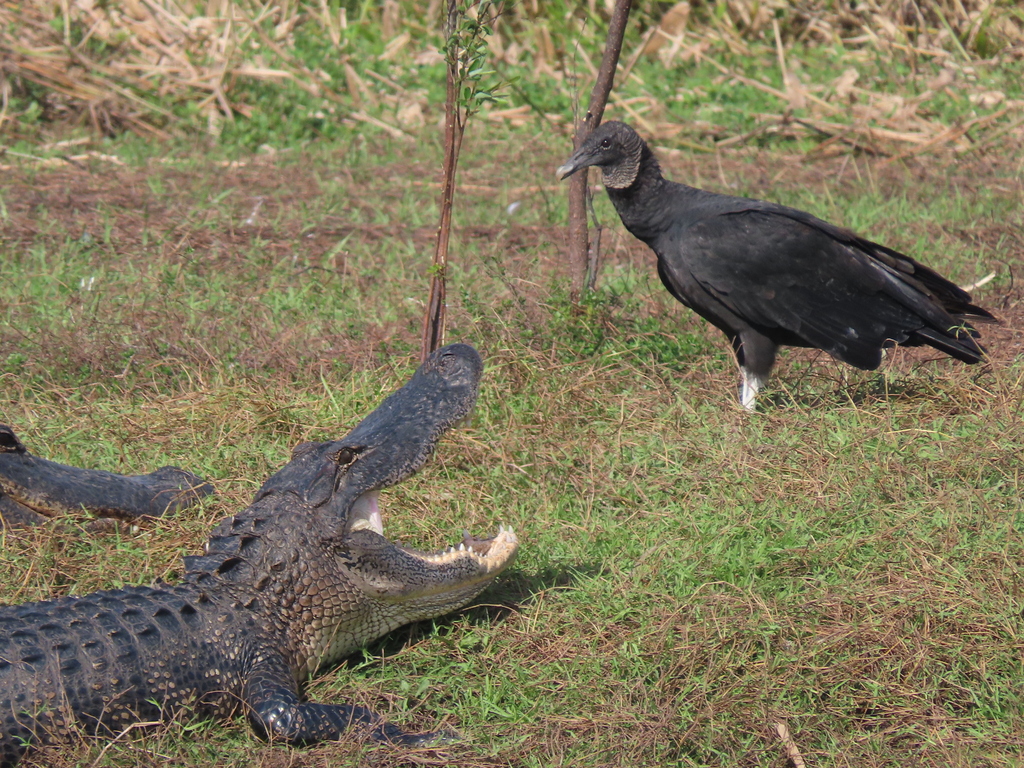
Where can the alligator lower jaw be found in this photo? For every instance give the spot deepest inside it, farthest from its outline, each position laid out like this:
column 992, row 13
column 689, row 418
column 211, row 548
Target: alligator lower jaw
column 489, row 556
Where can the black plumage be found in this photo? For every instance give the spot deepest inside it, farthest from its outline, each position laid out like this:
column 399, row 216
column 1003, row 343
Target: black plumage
column 768, row 275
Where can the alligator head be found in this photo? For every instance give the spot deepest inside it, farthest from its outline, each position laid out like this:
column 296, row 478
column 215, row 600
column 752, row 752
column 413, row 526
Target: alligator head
column 392, row 443
column 314, row 538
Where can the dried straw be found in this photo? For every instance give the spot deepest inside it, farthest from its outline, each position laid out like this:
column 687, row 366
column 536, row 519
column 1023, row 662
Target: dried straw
column 128, row 65
column 134, row 65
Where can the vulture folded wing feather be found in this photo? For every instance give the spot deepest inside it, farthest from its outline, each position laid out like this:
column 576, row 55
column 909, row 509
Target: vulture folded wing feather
column 829, row 294
column 927, row 292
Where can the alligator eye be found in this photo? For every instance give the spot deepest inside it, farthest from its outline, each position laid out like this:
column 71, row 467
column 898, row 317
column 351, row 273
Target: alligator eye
column 346, row 456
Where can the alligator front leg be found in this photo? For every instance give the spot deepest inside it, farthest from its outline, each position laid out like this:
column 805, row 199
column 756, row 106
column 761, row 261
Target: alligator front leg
column 276, row 713
column 43, row 488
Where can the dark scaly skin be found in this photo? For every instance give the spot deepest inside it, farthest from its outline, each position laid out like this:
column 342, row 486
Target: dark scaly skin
column 34, row 489
column 298, row 580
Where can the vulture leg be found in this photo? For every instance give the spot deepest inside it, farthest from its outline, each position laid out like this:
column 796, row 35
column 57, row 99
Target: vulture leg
column 756, row 355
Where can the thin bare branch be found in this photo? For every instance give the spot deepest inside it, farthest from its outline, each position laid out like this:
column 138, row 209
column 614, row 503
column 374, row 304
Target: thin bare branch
column 579, row 251
column 434, row 317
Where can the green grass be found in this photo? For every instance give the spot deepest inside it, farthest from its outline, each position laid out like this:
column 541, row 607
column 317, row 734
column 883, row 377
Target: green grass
column 846, row 561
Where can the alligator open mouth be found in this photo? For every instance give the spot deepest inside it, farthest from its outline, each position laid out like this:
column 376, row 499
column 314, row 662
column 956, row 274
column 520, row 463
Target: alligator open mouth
column 365, row 514
column 488, row 554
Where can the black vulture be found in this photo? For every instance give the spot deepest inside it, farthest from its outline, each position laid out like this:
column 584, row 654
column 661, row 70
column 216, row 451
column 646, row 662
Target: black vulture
column 768, row 275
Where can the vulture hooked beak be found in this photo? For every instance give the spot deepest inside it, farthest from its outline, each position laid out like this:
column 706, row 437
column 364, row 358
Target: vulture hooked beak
column 573, row 164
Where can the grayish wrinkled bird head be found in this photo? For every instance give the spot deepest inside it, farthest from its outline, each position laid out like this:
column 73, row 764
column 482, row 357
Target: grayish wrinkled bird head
column 613, row 147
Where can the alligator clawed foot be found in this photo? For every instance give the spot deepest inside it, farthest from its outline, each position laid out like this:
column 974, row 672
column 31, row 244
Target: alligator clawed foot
column 33, row 489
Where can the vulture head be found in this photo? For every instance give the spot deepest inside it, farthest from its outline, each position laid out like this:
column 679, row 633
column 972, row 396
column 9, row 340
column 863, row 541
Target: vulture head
column 613, row 147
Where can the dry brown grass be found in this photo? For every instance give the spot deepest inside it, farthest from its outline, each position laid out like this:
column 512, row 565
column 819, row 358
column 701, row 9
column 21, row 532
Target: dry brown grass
column 145, row 56
column 129, row 66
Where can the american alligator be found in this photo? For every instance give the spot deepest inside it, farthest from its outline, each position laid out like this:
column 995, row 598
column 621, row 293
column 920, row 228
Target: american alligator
column 298, row 580
column 33, row 489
